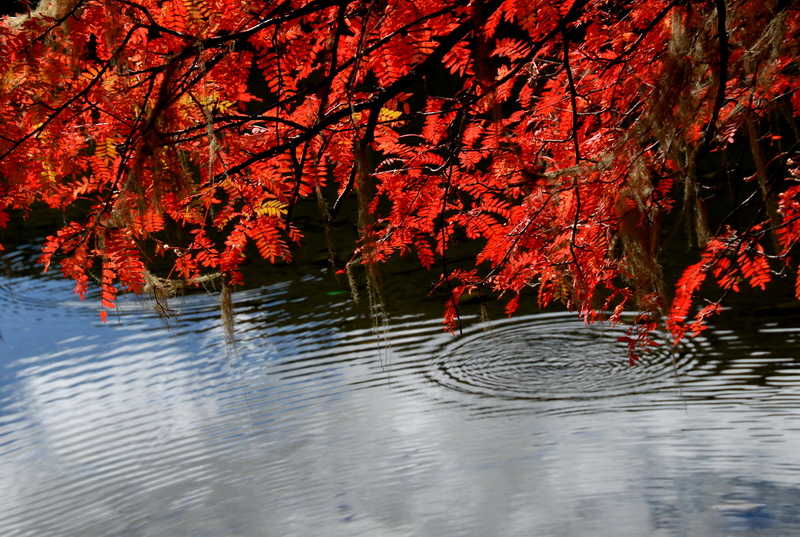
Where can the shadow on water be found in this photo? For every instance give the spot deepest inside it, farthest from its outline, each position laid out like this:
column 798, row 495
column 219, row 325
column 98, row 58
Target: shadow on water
column 533, row 425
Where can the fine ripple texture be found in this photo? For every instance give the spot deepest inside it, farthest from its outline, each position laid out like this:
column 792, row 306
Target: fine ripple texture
column 318, row 424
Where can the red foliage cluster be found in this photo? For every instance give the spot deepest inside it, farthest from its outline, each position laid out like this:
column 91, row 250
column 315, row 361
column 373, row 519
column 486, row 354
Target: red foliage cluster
column 553, row 135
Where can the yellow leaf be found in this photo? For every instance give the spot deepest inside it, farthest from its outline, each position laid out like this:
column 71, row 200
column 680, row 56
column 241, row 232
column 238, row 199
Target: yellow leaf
column 272, row 208
column 49, row 174
column 107, row 149
column 387, row 114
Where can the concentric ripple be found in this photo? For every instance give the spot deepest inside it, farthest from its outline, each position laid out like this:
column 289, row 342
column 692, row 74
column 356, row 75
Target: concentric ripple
column 550, row 358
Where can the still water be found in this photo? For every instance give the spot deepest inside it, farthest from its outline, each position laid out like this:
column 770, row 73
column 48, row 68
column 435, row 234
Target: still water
column 320, row 425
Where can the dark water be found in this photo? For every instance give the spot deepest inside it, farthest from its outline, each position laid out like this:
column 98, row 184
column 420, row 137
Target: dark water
column 322, row 426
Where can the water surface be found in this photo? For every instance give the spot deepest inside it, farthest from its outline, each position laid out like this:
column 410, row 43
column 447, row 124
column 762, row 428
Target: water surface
column 320, row 425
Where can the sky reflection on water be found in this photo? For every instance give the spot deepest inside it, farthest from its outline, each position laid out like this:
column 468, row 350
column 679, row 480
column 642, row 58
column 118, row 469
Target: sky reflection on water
column 131, row 429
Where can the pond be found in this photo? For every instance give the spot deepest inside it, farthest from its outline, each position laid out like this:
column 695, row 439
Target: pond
column 319, row 424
